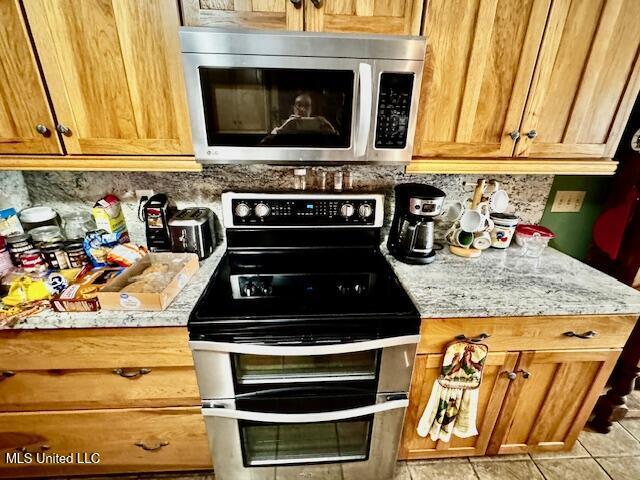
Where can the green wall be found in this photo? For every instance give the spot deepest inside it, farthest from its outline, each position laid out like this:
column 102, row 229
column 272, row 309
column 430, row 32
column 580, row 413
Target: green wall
column 573, row 229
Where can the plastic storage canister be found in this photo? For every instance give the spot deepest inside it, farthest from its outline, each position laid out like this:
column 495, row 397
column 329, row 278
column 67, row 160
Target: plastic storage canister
column 77, row 224
column 34, row 217
column 43, row 236
column 503, row 230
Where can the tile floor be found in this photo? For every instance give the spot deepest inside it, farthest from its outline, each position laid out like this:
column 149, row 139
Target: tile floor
column 615, row 456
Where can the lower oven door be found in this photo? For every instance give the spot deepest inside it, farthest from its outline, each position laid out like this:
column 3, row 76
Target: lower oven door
column 225, row 370
column 356, row 443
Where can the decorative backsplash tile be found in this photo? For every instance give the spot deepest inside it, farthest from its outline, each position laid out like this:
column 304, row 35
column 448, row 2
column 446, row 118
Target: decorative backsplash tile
column 66, row 191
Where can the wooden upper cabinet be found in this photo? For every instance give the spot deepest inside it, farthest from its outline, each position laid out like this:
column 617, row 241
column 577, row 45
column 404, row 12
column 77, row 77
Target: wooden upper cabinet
column 268, row 14
column 395, row 17
column 546, row 408
column 492, row 391
column 480, row 58
column 23, row 101
column 587, row 79
column 114, row 74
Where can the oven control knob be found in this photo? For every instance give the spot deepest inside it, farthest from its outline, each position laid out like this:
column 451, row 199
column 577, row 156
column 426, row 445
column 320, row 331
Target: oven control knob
column 262, row 210
column 347, row 210
column 242, row 210
column 365, row 210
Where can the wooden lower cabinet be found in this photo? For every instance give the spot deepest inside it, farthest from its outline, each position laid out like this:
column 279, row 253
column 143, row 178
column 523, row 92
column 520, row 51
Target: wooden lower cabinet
column 492, row 391
column 546, row 407
column 126, row 440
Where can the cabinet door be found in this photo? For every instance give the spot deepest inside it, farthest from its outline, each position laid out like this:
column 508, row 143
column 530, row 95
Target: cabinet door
column 479, row 62
column 395, row 17
column 114, row 74
column 547, row 410
column 274, row 14
column 586, row 81
column 23, row 101
column 492, row 390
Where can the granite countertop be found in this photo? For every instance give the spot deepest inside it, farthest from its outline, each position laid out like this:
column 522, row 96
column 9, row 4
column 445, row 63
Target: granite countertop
column 498, row 283
column 502, row 283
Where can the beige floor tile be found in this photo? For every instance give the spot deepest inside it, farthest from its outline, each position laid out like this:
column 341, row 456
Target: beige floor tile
column 460, row 470
column 571, row 469
column 632, row 425
column 501, row 458
column 402, row 472
column 515, row 470
column 578, row 451
column 618, row 442
column 621, row 468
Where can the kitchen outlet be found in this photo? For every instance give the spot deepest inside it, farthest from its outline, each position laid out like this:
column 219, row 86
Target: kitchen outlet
column 568, row 201
column 144, row 193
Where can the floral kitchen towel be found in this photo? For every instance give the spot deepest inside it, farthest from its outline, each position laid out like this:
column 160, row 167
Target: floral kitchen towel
column 453, row 404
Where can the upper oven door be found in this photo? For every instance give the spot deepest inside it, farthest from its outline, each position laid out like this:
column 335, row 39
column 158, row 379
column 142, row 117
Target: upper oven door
column 248, row 108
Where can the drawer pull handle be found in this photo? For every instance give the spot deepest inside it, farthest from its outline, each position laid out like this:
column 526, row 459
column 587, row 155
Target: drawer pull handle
column 524, row 373
column 585, row 335
column 6, row 374
column 477, row 339
column 153, row 447
column 511, row 375
column 131, row 374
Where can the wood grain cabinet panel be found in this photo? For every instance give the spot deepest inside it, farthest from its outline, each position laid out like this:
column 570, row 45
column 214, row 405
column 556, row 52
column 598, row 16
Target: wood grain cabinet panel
column 480, row 59
column 23, row 101
column 492, row 390
column 550, row 399
column 267, row 14
column 395, row 17
column 114, row 74
column 586, row 81
column 127, row 440
column 147, row 386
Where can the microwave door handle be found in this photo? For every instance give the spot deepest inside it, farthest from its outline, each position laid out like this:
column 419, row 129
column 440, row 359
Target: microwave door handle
column 266, row 417
column 365, row 107
column 306, row 350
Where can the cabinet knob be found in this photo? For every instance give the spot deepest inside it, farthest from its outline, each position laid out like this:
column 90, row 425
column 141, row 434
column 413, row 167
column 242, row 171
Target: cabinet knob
column 131, row 374
column 296, row 3
column 586, row 335
column 532, row 134
column 317, row 3
column 6, row 374
column 153, row 446
column 43, row 130
column 511, row 375
column 515, row 135
column 524, row 373
column 66, row 131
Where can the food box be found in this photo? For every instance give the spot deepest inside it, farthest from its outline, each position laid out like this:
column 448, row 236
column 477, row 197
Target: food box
column 82, row 296
column 112, row 297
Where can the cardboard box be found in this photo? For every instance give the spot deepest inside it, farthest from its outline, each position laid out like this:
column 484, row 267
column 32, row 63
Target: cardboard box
column 111, row 298
column 82, row 296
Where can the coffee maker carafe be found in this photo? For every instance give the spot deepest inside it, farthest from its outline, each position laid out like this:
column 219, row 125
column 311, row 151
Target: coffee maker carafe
column 411, row 236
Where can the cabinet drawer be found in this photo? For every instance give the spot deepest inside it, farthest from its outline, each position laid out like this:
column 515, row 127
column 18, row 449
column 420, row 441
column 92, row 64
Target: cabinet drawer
column 106, row 388
column 94, row 348
column 133, row 440
column 528, row 333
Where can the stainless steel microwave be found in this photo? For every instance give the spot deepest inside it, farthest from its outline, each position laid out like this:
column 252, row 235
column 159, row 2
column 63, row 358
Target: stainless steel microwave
column 299, row 97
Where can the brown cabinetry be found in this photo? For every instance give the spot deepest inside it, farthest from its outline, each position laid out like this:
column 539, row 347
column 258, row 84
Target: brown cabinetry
column 268, row 14
column 538, row 388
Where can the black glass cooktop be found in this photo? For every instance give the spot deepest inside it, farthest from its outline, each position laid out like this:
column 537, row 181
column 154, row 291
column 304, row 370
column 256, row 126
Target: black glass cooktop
column 307, row 296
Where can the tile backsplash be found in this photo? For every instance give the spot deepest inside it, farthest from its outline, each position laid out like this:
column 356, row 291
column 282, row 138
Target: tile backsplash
column 68, row 191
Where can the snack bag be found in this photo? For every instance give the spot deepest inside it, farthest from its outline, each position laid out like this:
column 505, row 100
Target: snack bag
column 108, row 215
column 97, row 245
column 125, row 255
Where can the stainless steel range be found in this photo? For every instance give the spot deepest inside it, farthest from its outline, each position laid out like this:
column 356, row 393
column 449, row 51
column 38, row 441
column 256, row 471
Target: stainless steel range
column 303, row 341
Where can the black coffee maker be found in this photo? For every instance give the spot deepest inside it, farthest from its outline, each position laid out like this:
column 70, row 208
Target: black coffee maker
column 411, row 236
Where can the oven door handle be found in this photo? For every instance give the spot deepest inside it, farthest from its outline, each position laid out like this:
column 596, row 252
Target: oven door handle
column 315, row 417
column 365, row 107
column 305, row 350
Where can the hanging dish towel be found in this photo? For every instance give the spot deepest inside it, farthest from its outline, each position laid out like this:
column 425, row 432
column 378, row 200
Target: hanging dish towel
column 453, row 404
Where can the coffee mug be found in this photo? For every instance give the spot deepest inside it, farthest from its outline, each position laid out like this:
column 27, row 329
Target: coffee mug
column 498, row 201
column 481, row 240
column 459, row 237
column 454, row 212
column 476, row 219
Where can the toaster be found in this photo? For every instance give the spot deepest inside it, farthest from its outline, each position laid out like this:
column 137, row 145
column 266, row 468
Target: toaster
column 192, row 231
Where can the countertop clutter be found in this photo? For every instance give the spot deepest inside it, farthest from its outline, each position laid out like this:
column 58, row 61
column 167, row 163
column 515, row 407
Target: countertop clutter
column 499, row 283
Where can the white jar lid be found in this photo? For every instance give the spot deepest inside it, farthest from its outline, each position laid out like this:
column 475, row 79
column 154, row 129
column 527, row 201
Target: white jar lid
column 37, row 214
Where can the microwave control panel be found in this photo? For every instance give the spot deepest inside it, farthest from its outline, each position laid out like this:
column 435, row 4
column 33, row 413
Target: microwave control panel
column 394, row 107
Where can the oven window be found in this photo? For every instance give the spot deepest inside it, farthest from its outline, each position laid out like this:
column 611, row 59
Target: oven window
column 253, row 369
column 255, row 107
column 296, row 443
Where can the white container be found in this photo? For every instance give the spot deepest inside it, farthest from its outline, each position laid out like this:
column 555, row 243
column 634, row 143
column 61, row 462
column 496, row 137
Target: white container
column 503, row 230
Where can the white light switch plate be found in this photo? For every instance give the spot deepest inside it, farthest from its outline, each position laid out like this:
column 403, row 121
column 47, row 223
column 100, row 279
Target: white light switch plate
column 568, row 201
